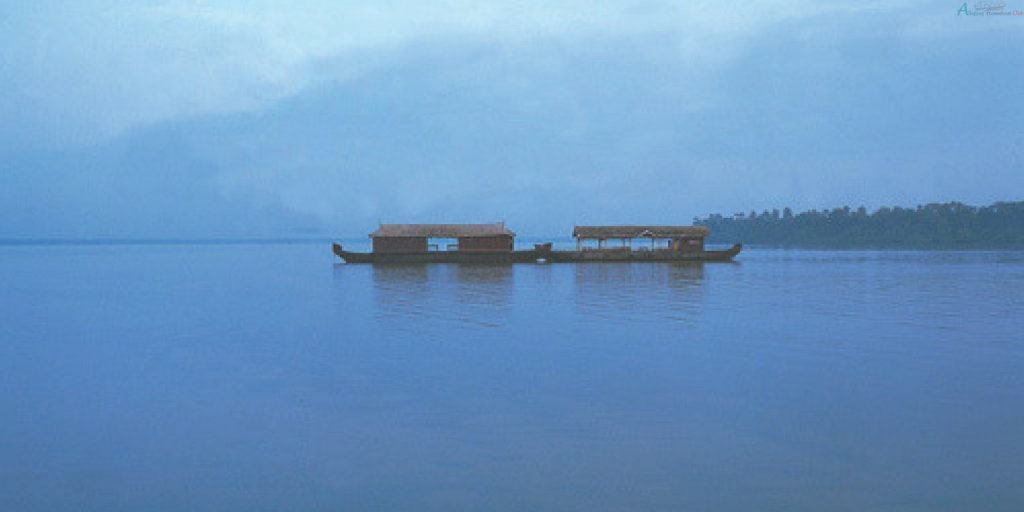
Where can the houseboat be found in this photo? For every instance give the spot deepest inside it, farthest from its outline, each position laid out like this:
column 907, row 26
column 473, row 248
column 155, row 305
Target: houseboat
column 436, row 243
column 495, row 243
column 643, row 243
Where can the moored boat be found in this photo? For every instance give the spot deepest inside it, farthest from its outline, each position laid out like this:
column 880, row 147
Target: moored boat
column 494, row 244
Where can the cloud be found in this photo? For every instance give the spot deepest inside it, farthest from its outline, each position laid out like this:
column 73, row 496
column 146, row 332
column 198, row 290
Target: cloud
column 260, row 118
column 83, row 72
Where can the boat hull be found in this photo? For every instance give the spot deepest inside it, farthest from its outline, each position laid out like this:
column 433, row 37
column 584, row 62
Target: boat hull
column 616, row 255
column 542, row 252
column 502, row 258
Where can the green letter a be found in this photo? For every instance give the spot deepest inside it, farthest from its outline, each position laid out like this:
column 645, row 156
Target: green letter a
column 962, row 9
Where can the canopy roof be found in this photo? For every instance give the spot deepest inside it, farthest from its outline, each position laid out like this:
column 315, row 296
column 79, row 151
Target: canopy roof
column 609, row 232
column 442, row 230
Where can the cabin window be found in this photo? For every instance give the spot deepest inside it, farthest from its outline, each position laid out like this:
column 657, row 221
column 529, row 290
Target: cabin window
column 653, row 243
column 442, row 244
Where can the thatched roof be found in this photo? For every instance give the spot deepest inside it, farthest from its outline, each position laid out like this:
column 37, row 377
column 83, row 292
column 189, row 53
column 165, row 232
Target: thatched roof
column 442, row 230
column 610, row 232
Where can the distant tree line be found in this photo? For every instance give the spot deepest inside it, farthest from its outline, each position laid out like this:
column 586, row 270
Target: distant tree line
column 931, row 226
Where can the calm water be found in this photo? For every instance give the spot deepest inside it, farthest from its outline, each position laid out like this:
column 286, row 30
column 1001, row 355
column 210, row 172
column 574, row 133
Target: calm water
column 267, row 377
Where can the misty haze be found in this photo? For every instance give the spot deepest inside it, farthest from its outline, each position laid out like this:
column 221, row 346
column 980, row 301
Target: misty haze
column 626, row 256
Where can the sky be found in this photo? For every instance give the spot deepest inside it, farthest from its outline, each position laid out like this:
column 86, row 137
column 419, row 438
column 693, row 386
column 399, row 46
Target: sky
column 139, row 119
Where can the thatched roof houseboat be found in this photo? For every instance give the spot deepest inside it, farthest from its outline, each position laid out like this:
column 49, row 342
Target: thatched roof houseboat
column 494, row 243
column 679, row 238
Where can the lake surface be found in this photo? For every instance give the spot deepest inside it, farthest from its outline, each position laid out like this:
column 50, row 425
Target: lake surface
column 269, row 377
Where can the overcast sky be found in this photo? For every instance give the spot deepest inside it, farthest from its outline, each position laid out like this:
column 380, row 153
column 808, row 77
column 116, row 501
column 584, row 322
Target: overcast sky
column 249, row 118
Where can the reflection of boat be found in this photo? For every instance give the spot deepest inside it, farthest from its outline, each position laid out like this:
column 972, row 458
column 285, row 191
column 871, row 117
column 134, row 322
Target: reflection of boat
column 493, row 243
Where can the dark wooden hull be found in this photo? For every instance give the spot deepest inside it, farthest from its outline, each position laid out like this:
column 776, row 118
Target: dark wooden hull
column 541, row 252
column 483, row 258
column 613, row 255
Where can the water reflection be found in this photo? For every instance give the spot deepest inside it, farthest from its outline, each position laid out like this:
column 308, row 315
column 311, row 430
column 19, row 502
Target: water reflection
column 488, row 285
column 467, row 295
column 401, row 291
column 640, row 292
column 802, row 380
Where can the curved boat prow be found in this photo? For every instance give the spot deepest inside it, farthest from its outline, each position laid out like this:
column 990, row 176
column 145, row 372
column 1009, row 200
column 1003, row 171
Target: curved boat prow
column 351, row 257
column 724, row 254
